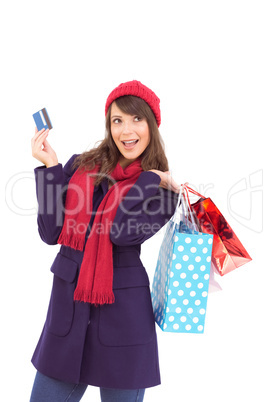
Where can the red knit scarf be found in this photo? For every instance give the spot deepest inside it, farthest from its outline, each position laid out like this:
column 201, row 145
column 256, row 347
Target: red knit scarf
column 95, row 279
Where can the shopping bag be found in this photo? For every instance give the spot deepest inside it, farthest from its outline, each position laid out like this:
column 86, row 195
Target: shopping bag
column 181, row 279
column 228, row 253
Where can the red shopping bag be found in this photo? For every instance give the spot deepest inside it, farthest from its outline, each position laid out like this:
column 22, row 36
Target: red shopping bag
column 228, row 253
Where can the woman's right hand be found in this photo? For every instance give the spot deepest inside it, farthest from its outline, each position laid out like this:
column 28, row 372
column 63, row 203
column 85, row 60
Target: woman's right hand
column 167, row 181
column 41, row 150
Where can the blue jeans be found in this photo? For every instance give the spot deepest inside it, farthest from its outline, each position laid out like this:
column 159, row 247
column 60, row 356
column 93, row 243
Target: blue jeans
column 46, row 389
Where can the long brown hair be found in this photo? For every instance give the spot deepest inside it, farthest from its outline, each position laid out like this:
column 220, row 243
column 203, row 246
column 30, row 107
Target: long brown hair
column 106, row 154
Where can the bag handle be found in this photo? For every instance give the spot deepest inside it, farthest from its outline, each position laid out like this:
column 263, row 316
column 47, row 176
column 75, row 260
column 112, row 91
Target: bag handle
column 188, row 212
column 184, row 200
column 193, row 191
column 177, row 213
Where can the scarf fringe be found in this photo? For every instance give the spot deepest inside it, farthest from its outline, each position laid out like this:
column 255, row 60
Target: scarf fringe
column 94, row 297
column 71, row 241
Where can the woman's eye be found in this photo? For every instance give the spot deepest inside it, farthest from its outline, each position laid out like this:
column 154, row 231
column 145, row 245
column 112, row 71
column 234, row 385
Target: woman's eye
column 116, row 121
column 137, row 118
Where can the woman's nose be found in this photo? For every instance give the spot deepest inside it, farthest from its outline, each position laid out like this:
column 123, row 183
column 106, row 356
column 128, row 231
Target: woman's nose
column 127, row 127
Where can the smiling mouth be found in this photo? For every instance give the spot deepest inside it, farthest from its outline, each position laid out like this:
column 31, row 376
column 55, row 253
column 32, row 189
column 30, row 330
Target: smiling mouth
column 130, row 143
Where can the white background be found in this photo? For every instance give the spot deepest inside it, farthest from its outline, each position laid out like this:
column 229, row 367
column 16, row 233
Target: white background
column 207, row 61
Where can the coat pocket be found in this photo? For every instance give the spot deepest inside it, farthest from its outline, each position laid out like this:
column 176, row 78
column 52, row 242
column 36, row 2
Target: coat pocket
column 61, row 306
column 130, row 320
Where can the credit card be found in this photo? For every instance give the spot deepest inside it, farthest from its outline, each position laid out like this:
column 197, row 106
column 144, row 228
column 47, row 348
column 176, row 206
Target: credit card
column 42, row 119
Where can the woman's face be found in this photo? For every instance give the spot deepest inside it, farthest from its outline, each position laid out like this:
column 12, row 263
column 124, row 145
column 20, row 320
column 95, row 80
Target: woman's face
column 130, row 134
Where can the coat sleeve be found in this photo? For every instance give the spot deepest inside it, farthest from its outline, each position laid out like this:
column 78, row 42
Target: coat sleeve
column 51, row 186
column 144, row 210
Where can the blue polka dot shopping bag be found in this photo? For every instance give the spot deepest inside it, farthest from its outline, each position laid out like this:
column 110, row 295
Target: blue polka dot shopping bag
column 181, row 279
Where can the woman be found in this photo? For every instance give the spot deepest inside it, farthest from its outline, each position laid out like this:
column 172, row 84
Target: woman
column 101, row 207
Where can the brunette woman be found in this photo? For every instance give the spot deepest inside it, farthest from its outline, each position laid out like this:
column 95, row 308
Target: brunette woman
column 101, row 206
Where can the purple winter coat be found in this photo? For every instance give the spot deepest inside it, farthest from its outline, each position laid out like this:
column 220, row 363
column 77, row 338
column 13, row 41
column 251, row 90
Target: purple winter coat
column 115, row 345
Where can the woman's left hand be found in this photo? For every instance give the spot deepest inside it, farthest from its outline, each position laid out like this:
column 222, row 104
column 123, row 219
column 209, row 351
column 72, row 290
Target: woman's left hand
column 166, row 180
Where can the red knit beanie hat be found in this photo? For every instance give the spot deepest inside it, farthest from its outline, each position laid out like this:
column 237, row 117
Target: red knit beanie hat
column 136, row 88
